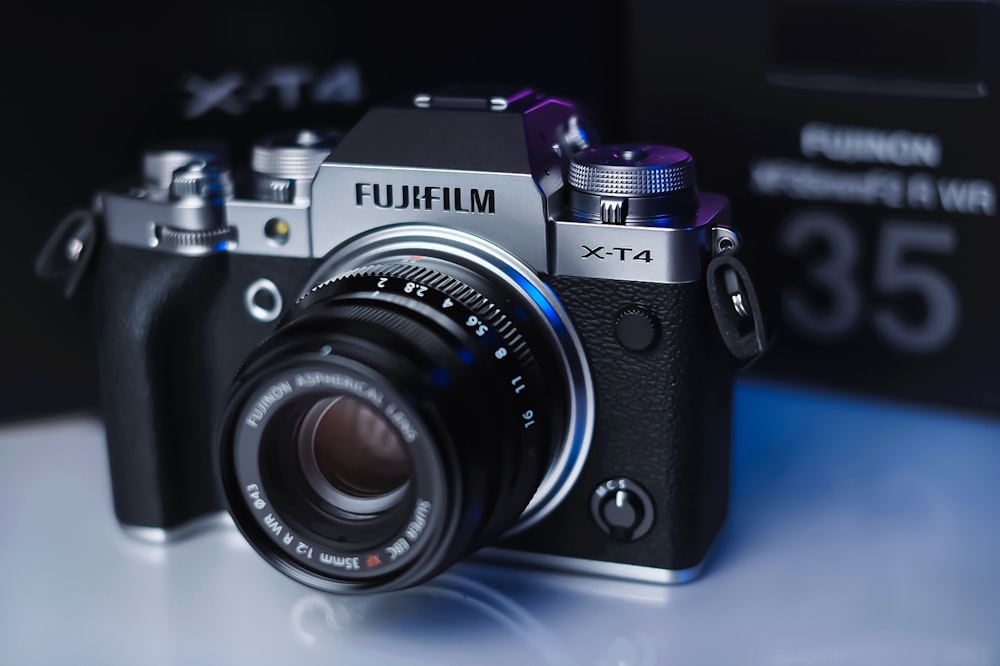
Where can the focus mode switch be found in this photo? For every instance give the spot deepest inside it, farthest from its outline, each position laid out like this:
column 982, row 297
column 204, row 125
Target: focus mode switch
column 622, row 509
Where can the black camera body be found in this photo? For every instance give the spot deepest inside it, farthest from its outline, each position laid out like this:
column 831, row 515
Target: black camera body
column 458, row 326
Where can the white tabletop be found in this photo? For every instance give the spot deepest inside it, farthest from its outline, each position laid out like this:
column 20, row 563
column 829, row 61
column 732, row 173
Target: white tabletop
column 860, row 532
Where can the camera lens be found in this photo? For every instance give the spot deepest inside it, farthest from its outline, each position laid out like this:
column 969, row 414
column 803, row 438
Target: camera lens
column 351, row 456
column 424, row 398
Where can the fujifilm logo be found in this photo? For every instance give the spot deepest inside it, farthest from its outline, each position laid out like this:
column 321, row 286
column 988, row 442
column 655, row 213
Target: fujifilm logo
column 430, row 197
column 866, row 144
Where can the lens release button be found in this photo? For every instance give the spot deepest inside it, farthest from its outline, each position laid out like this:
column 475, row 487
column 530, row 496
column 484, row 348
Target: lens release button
column 622, row 509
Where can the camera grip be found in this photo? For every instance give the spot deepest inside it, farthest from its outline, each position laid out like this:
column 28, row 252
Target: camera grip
column 662, row 419
column 155, row 363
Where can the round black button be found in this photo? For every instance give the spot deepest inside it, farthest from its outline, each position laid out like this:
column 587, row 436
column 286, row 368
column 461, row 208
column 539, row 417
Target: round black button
column 636, row 328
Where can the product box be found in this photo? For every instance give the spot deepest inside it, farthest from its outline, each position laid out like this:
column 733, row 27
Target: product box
column 858, row 142
column 86, row 92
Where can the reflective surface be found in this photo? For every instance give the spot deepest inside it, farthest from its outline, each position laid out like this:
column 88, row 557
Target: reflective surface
column 860, row 533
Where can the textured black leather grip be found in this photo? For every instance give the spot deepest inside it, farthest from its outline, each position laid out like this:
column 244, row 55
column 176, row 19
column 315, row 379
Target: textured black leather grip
column 663, row 420
column 172, row 332
column 154, row 363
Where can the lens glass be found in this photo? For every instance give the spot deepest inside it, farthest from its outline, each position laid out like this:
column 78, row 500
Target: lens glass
column 351, row 456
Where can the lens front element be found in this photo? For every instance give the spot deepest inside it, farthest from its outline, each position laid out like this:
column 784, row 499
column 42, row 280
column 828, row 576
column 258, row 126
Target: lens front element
column 351, row 456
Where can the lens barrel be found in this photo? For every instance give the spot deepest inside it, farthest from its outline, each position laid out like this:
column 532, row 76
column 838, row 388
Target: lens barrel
column 404, row 415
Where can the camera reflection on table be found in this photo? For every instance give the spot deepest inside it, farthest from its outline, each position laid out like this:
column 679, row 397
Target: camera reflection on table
column 858, row 532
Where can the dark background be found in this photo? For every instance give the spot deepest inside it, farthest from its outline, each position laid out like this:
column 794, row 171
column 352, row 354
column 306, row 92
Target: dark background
column 731, row 81
column 87, row 90
column 737, row 83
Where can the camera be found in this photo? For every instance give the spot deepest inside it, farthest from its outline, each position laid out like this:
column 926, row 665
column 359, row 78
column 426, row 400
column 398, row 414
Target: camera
column 460, row 327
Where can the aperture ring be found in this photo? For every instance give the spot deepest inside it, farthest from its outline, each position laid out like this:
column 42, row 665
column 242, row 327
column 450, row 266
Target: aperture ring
column 430, row 288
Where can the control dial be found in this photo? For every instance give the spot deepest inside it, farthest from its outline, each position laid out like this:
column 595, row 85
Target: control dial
column 638, row 184
column 284, row 164
column 636, row 328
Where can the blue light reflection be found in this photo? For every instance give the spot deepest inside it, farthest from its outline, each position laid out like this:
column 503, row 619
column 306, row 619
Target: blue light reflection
column 537, row 296
column 441, row 377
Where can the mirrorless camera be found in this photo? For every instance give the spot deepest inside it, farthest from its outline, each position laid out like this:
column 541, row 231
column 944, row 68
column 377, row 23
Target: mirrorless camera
column 460, row 326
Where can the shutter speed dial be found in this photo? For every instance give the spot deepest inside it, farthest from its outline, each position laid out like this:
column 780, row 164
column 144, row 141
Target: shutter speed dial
column 622, row 509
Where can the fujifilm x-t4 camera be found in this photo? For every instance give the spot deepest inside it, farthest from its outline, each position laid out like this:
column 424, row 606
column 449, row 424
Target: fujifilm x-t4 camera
column 459, row 325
